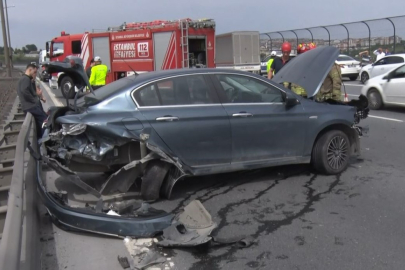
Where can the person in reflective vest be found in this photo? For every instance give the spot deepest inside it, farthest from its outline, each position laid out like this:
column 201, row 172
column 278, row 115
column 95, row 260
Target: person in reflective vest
column 98, row 74
column 273, row 55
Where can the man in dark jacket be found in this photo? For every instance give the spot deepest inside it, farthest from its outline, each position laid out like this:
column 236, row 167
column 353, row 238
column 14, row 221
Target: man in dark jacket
column 30, row 98
column 88, row 70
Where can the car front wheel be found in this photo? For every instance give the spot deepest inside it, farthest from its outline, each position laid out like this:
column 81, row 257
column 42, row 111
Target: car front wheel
column 331, row 152
column 364, row 77
column 375, row 100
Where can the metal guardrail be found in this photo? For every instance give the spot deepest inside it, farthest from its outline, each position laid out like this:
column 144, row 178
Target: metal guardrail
column 352, row 36
column 11, row 246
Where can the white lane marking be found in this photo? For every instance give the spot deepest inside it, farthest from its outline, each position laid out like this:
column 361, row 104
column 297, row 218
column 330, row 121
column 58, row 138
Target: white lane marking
column 349, row 84
column 351, row 95
column 52, row 95
column 384, row 118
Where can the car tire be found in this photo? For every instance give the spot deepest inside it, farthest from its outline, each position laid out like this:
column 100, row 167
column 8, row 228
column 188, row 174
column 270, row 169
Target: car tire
column 155, row 173
column 67, row 88
column 374, row 99
column 364, row 77
column 353, row 78
column 331, row 153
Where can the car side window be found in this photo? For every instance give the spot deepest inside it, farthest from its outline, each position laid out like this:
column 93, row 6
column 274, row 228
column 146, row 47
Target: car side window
column 245, row 89
column 399, row 73
column 395, row 60
column 381, row 62
column 184, row 90
column 147, row 96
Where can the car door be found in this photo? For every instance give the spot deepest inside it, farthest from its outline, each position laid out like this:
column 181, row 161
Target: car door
column 262, row 127
column 395, row 88
column 379, row 67
column 186, row 113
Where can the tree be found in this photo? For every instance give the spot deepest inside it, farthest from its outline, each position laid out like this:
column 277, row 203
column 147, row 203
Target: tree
column 31, row 47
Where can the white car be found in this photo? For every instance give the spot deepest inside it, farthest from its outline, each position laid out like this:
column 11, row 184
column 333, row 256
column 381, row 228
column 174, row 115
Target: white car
column 386, row 89
column 381, row 66
column 349, row 66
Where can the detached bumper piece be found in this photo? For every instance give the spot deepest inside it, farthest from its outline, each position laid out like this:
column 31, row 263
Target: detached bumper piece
column 144, row 222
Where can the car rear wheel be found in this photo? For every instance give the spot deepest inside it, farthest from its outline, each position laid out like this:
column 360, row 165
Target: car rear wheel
column 364, row 77
column 374, row 99
column 68, row 88
column 331, row 152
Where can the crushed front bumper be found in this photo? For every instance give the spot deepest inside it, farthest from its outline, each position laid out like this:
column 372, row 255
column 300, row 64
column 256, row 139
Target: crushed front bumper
column 86, row 220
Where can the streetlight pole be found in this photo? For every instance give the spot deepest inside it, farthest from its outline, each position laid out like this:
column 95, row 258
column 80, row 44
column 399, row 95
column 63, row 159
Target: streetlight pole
column 8, row 32
column 6, row 52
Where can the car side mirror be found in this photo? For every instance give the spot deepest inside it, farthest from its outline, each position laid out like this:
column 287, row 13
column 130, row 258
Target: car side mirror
column 390, row 76
column 291, row 101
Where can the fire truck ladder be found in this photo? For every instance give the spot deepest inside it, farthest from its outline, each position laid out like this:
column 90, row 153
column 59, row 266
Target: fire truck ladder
column 184, row 43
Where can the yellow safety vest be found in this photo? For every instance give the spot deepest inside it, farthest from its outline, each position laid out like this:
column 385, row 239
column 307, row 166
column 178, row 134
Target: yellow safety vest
column 98, row 75
column 269, row 64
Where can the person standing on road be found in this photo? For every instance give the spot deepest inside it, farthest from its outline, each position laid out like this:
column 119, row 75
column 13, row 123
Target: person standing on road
column 272, row 56
column 30, row 98
column 88, row 70
column 380, row 54
column 98, row 74
column 279, row 62
column 331, row 86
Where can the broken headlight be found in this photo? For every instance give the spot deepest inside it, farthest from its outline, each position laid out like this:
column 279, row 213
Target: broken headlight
column 73, row 129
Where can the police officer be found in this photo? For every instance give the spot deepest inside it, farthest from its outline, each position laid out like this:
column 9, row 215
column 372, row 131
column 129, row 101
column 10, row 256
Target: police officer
column 272, row 56
column 98, row 74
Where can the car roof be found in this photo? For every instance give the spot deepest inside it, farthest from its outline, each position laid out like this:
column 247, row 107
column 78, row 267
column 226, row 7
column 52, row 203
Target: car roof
column 186, row 71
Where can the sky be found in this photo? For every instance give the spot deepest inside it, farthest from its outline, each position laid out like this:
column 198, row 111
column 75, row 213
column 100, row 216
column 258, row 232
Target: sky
column 40, row 20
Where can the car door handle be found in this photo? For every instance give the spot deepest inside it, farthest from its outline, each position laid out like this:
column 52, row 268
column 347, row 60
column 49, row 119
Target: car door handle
column 167, row 118
column 242, row 114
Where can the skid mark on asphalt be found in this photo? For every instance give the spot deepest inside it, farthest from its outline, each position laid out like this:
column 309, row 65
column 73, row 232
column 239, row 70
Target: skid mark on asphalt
column 266, row 226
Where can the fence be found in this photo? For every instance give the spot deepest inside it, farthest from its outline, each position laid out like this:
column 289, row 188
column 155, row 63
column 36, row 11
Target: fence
column 351, row 38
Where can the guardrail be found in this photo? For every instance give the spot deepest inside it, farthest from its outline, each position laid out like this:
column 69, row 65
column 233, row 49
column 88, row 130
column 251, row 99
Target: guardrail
column 19, row 247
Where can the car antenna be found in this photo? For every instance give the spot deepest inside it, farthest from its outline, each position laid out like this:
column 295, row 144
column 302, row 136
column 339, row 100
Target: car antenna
column 130, row 67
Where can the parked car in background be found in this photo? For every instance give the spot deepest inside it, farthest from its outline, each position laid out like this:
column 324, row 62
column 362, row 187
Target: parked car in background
column 386, row 89
column 381, row 66
column 350, row 67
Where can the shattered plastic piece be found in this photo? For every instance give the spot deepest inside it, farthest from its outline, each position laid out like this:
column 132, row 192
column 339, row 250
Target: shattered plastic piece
column 124, row 262
column 125, row 207
column 112, row 213
column 146, row 259
column 73, row 129
column 191, row 228
column 240, row 242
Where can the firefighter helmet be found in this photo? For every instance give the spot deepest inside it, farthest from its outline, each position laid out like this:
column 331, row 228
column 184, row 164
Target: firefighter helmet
column 286, row 47
column 303, row 47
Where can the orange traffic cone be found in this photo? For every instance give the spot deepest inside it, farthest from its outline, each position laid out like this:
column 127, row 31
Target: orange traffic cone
column 346, row 99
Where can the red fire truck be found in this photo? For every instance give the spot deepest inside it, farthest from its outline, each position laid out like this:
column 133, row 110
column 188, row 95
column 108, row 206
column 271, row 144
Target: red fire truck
column 140, row 47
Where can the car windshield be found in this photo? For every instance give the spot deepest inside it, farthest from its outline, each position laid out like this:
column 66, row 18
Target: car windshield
column 345, row 58
column 105, row 91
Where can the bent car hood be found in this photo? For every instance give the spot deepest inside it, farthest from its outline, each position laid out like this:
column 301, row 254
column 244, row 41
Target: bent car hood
column 309, row 69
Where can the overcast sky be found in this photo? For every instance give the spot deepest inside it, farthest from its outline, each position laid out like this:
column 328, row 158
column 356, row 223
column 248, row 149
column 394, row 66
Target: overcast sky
column 36, row 21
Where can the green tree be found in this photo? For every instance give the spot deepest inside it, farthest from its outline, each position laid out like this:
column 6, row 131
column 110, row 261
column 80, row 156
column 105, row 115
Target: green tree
column 31, row 47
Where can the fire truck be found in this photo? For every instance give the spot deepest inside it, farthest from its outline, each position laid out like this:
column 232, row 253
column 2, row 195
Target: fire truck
column 139, row 47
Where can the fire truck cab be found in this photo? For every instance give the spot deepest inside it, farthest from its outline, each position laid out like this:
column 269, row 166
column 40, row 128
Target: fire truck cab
column 139, row 47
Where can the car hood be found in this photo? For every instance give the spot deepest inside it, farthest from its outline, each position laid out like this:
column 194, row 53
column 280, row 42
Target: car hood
column 309, row 70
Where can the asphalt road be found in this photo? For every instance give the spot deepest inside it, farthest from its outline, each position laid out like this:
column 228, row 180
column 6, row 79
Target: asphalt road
column 298, row 219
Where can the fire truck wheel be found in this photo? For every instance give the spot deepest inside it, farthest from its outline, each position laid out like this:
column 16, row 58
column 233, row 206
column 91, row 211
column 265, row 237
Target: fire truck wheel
column 67, row 87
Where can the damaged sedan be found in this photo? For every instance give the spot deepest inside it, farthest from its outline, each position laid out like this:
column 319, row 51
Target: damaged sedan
column 156, row 128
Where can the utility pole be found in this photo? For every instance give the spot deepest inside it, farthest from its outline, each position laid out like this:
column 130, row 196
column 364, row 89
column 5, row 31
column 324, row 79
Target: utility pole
column 8, row 33
column 6, row 52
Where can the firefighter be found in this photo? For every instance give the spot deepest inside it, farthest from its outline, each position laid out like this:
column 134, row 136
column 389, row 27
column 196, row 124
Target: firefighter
column 272, row 56
column 98, row 74
column 279, row 62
